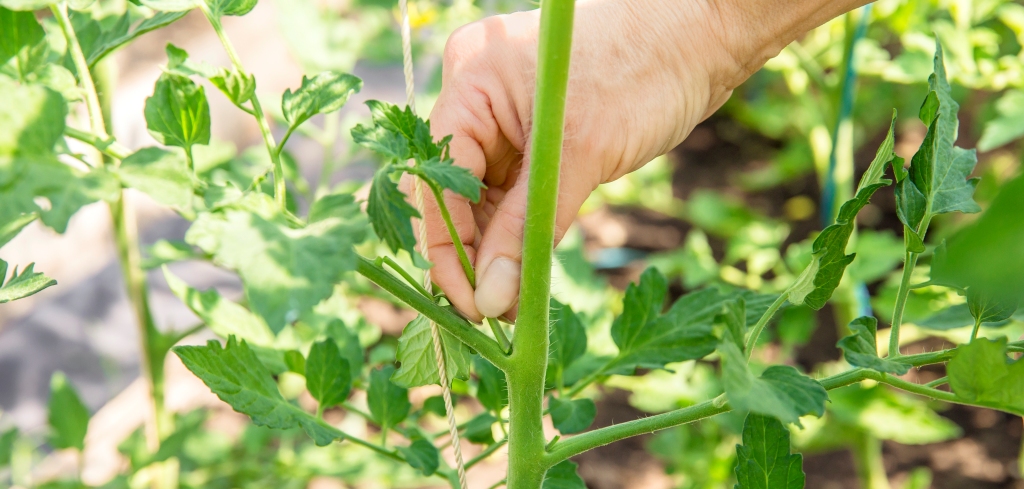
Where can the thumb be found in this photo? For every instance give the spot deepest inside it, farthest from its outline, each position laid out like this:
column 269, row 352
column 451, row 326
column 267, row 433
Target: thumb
column 499, row 255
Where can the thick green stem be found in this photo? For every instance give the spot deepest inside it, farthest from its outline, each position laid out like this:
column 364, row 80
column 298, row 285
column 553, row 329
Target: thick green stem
column 280, row 190
column 977, row 326
column 761, row 323
column 443, row 316
column 527, row 460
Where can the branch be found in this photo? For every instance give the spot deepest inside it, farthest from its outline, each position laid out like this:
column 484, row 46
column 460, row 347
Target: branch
column 456, row 326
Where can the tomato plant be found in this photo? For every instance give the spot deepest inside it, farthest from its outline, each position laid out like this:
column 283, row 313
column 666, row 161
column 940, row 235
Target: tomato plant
column 299, row 270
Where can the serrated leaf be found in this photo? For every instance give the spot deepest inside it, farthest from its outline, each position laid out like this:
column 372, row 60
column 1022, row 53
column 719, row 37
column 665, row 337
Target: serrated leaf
column 478, row 429
column 389, row 212
column 161, row 174
column 33, row 119
column 177, row 114
column 422, row 456
column 860, row 348
column 418, row 360
column 69, row 418
column 567, row 340
column 328, row 377
column 781, row 391
column 389, row 144
column 492, row 389
column 230, row 7
column 939, row 170
column 982, row 374
column 322, row 94
column 455, row 178
column 389, row 403
column 763, row 460
column 237, row 86
column 648, row 339
column 573, row 415
column 563, row 476
column 829, row 260
column 333, row 205
column 225, row 318
column 237, row 377
column 22, row 285
column 285, row 271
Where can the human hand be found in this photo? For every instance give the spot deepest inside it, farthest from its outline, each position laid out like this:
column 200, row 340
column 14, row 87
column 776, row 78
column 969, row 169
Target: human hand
column 643, row 74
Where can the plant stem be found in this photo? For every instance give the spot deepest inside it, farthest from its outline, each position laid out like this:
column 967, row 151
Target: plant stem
column 499, row 334
column 761, row 323
column 901, row 303
column 527, row 460
column 867, row 458
column 937, row 382
column 486, row 453
column 977, row 326
column 329, row 142
column 459, row 248
column 280, row 190
column 92, row 99
column 401, row 271
column 444, row 317
column 107, row 146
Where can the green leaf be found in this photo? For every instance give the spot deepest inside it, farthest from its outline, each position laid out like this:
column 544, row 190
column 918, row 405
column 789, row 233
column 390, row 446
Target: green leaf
column 763, row 460
column 733, row 320
column 69, row 418
column 225, row 318
column 20, row 286
column 45, row 186
column 563, row 476
column 986, row 308
column 829, row 260
column 231, row 7
column 455, row 178
column 478, row 429
column 121, row 33
column 328, row 376
column 177, row 114
column 389, row 403
column 938, row 171
column 418, row 360
column 32, row 117
column 285, row 271
column 398, row 134
column 333, row 205
column 887, row 414
column 237, row 86
column 26, row 5
column 161, row 174
column 7, row 446
column 982, row 374
column 237, row 377
column 171, row 5
column 434, row 405
column 647, row 339
column 391, row 145
column 1006, row 127
column 164, row 252
column 988, row 254
column 491, row 390
column 781, row 391
column 567, row 340
column 20, row 34
column 573, row 415
column 860, row 348
column 422, row 456
column 389, row 212
column 322, row 94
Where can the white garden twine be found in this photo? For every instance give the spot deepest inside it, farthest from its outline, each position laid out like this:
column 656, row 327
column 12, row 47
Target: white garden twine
column 435, row 334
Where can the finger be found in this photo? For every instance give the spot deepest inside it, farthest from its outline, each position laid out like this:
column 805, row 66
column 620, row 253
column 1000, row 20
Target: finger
column 499, row 254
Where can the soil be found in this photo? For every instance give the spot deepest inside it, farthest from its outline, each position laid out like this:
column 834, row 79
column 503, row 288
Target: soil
column 720, row 149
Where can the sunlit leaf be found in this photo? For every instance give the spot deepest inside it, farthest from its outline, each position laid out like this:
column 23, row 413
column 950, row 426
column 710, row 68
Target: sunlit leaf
column 237, row 377
column 22, row 285
column 161, row 174
column 69, row 418
column 418, row 360
column 981, row 373
column 781, row 391
column 177, row 114
column 223, row 317
column 324, row 93
column 455, row 178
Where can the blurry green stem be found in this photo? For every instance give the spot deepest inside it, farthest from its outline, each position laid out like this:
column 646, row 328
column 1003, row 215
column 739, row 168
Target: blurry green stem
column 937, row 382
column 761, row 323
column 280, row 190
column 867, row 457
column 329, row 141
column 107, row 146
column 92, row 100
column 977, row 326
column 486, row 453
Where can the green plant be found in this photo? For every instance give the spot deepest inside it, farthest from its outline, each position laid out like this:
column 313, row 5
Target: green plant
column 300, row 273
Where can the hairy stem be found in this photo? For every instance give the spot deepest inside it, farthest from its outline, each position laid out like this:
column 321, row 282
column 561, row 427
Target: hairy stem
column 467, row 267
column 280, row 190
column 92, row 99
column 977, row 326
column 761, row 323
column 444, row 317
column 901, row 303
column 527, row 461
column 401, row 271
